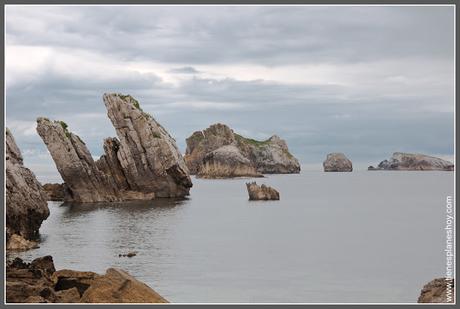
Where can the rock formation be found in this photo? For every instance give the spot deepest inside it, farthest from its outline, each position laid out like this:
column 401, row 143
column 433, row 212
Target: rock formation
column 55, row 191
column 414, row 162
column 142, row 164
column 26, row 205
column 436, row 291
column 262, row 192
column 39, row 282
column 337, row 162
column 226, row 162
column 271, row 156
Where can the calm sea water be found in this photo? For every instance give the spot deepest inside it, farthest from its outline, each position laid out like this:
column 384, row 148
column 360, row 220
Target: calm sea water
column 333, row 237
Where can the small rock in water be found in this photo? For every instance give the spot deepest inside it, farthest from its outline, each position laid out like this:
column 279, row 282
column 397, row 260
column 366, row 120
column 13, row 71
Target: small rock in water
column 262, row 192
column 129, row 254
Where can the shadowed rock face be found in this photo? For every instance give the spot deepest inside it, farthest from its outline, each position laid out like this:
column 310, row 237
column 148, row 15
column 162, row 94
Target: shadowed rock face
column 414, row 162
column 436, row 291
column 26, row 205
column 39, row 282
column 271, row 156
column 337, row 162
column 55, row 191
column 262, row 192
column 142, row 164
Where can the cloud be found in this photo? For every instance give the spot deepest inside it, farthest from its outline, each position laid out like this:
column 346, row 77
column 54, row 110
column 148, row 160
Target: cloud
column 185, row 70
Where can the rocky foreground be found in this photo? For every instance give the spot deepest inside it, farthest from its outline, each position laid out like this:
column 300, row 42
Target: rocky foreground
column 439, row 290
column 39, row 282
column 263, row 192
column 218, row 152
column 337, row 162
column 143, row 163
column 26, row 205
column 401, row 161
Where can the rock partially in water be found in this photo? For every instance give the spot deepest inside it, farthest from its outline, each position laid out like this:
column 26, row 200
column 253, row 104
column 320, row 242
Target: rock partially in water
column 262, row 192
column 55, row 191
column 271, row 156
column 18, row 243
column 26, row 205
column 337, row 162
column 39, row 282
column 226, row 162
column 439, row 290
column 414, row 162
column 142, row 164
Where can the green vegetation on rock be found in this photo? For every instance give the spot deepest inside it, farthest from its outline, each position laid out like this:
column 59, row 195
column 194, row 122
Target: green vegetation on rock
column 65, row 127
column 252, row 141
column 131, row 99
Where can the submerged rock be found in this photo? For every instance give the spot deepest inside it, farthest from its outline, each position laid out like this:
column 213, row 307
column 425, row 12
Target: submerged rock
column 414, row 162
column 262, row 192
column 26, row 205
column 227, row 162
column 142, row 164
column 40, row 282
column 337, row 162
column 271, row 156
column 440, row 290
column 55, row 191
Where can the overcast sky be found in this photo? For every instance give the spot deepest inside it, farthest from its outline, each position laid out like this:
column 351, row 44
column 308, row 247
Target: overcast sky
column 366, row 81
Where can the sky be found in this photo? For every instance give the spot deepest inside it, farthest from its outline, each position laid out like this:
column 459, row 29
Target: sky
column 363, row 80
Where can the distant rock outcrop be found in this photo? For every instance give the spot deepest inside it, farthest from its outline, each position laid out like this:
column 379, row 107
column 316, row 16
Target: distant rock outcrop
column 26, row 205
column 262, row 192
column 337, row 162
column 55, row 191
column 413, row 162
column 39, row 282
column 440, row 290
column 142, row 164
column 271, row 156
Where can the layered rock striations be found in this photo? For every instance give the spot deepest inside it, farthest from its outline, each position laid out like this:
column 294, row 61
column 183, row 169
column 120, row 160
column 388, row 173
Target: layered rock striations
column 39, row 282
column 262, row 192
column 271, row 156
column 142, row 164
column 414, row 162
column 26, row 205
column 337, row 162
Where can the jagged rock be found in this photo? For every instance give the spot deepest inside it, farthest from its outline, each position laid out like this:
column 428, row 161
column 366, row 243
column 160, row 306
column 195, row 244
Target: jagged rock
column 337, row 162
column 18, row 243
column 26, row 205
column 271, row 156
column 262, row 192
column 142, row 164
column 55, row 191
column 39, row 282
column 414, row 162
column 226, row 162
column 436, row 291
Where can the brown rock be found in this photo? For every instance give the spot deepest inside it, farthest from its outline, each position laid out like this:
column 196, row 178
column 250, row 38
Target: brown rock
column 440, row 290
column 18, row 243
column 26, row 205
column 337, row 162
column 262, row 192
column 55, row 191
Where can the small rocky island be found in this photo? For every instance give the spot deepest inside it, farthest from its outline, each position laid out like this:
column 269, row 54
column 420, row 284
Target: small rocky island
column 39, row 282
column 141, row 164
column 337, row 162
column 401, row 161
column 26, row 205
column 218, row 152
column 262, row 192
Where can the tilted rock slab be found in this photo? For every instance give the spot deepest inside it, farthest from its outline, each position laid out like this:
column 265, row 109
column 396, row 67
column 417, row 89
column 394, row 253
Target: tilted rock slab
column 26, row 205
column 337, row 162
column 414, row 162
column 271, row 156
column 142, row 164
column 262, row 192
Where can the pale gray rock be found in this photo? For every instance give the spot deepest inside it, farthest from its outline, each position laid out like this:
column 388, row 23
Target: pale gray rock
column 262, row 192
column 337, row 162
column 414, row 162
column 26, row 205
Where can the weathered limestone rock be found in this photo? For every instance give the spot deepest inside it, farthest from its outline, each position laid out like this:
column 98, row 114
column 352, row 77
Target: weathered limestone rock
column 55, row 191
column 262, row 192
column 337, row 162
column 39, row 282
column 414, row 162
column 26, row 205
column 142, row 164
column 271, row 156
column 18, row 243
column 440, row 290
column 226, row 162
